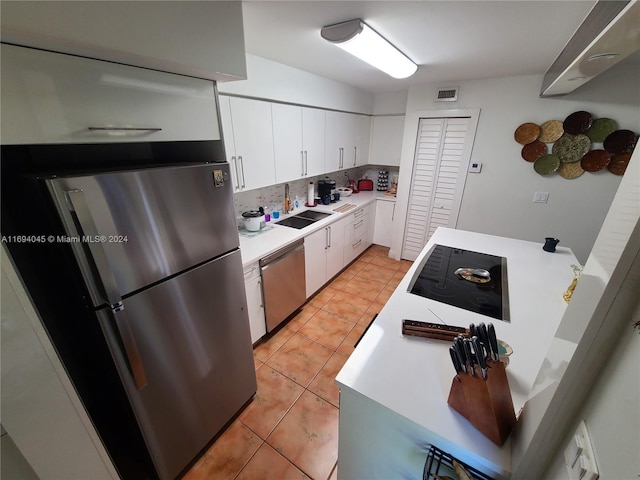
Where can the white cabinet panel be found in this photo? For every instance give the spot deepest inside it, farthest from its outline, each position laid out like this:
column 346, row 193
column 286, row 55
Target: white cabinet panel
column 356, row 234
column 287, row 142
column 334, row 151
column 324, row 255
column 386, row 140
column 54, row 98
column 313, row 141
column 255, row 305
column 383, row 222
column 347, row 140
column 248, row 135
column 362, row 139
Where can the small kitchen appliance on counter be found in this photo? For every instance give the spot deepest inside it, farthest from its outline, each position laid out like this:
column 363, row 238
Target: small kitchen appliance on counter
column 326, row 190
column 470, row 280
column 365, row 184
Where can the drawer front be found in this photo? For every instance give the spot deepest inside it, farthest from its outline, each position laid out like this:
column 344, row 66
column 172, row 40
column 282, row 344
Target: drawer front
column 251, row 271
column 55, row 98
column 356, row 234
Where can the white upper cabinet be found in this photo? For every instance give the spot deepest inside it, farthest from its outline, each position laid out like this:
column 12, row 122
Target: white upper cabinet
column 347, row 140
column 298, row 138
column 386, row 140
column 362, row 137
column 287, row 142
column 248, row 138
column 55, row 98
column 210, row 44
column 313, row 140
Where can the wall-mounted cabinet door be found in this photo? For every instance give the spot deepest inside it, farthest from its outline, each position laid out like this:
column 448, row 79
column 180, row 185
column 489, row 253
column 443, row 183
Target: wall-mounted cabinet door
column 248, row 123
column 313, row 140
column 386, row 140
column 334, row 151
column 287, row 142
column 361, row 139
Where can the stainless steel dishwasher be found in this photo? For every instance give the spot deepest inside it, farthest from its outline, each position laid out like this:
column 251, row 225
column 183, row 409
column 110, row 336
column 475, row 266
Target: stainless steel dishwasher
column 283, row 283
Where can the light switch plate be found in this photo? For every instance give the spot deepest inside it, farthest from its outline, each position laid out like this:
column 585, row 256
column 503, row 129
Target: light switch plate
column 540, row 197
column 579, row 457
column 475, row 167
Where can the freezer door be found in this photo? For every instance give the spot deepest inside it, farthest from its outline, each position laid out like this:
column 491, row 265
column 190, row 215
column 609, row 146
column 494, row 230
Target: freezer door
column 188, row 339
column 133, row 228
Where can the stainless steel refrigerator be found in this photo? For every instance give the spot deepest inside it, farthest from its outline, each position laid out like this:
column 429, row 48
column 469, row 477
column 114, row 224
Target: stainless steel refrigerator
column 158, row 250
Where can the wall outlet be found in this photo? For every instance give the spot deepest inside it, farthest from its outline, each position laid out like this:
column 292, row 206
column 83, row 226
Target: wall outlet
column 540, row 197
column 579, row 457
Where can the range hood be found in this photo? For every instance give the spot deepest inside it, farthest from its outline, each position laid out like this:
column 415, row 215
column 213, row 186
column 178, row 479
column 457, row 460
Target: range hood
column 610, row 33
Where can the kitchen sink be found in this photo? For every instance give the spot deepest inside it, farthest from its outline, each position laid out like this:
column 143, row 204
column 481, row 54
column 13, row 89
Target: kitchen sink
column 302, row 219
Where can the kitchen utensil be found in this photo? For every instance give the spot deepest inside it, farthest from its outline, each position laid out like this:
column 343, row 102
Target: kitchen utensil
column 455, row 359
column 365, row 184
column 475, row 275
column 468, row 353
column 253, row 219
column 493, row 342
column 479, row 353
column 526, row 133
column 550, row 244
column 438, row 331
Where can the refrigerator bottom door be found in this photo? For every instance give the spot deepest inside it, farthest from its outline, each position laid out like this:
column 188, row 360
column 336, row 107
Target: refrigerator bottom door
column 190, row 337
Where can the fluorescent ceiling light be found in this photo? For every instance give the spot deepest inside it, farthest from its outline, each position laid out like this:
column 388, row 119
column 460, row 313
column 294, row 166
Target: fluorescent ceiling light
column 359, row 39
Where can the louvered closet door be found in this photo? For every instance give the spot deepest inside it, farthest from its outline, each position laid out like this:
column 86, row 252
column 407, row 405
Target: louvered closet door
column 436, row 187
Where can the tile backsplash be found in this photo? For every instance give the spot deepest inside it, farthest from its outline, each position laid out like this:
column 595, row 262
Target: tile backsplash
column 273, row 195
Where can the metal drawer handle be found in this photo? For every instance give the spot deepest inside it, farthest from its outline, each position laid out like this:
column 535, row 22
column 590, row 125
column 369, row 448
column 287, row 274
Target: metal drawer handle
column 356, row 225
column 250, row 271
column 358, row 213
column 354, row 245
column 124, row 129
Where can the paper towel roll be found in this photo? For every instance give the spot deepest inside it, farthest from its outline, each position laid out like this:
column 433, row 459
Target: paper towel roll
column 311, row 198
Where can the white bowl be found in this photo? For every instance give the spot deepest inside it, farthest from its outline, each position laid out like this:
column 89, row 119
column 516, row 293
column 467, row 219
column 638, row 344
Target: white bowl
column 343, row 191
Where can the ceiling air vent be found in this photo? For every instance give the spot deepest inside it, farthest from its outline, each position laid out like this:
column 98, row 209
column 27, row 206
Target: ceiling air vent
column 447, row 94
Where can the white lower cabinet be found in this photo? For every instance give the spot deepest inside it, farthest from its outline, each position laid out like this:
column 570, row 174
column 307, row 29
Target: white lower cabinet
column 383, row 222
column 356, row 234
column 323, row 255
column 255, row 304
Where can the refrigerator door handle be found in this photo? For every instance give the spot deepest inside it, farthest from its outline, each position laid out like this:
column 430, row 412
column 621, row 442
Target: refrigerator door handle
column 78, row 204
column 131, row 351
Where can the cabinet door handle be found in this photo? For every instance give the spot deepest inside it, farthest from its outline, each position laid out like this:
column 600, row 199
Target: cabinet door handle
column 242, row 169
column 326, row 237
column 306, row 163
column 124, row 130
column 301, row 163
column 355, row 155
column 341, row 157
column 250, row 271
column 329, row 228
column 261, row 294
column 235, row 166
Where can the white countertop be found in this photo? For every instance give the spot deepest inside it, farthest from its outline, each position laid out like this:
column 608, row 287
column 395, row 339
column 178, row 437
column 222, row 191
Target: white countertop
column 412, row 376
column 275, row 237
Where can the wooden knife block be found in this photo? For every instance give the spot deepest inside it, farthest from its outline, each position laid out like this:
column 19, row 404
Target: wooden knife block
column 487, row 404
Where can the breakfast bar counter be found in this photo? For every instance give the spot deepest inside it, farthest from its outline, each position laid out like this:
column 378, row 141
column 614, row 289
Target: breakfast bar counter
column 394, row 388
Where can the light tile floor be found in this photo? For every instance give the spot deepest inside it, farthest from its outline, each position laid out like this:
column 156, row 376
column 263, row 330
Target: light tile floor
column 290, row 428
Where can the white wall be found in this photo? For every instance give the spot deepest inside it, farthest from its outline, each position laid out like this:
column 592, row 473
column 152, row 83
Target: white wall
column 275, row 81
column 499, row 200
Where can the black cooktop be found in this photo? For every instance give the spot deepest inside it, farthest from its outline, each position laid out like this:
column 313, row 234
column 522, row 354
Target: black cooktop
column 481, row 287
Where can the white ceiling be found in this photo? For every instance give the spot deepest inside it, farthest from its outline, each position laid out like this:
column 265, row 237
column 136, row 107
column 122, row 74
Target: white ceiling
column 450, row 40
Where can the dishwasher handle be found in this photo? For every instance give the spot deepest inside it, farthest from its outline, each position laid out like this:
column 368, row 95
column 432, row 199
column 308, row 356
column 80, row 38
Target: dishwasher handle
column 275, row 256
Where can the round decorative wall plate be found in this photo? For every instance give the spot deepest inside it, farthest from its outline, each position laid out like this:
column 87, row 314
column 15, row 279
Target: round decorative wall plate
column 546, row 164
column 595, row 160
column 620, row 141
column 570, row 170
column 526, row 133
column 619, row 162
column 601, row 128
column 550, row 131
column 571, row 148
column 533, row 150
column 577, row 122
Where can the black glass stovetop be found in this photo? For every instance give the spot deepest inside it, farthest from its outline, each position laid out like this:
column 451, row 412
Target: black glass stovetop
column 438, row 281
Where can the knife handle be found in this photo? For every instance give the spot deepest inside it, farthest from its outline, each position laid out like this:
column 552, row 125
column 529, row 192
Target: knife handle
column 477, row 346
column 493, row 341
column 456, row 361
column 458, row 344
column 469, row 355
